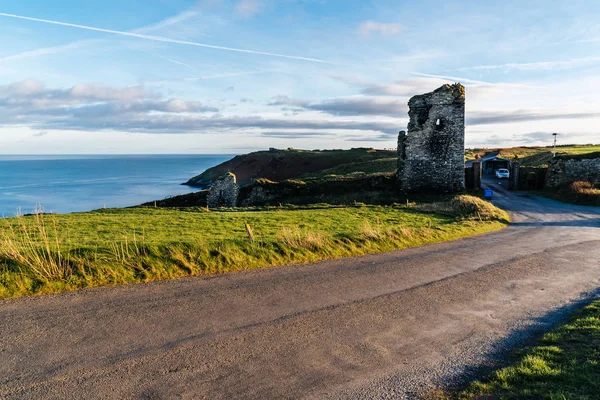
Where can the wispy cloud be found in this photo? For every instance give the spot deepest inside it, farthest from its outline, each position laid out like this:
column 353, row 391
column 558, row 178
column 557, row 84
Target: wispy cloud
column 208, row 77
column 43, row 51
column 375, row 138
column 163, row 39
column 50, row 50
column 508, row 117
column 538, row 65
column 248, row 8
column 348, row 106
column 171, row 60
column 296, row 134
column 369, row 27
column 168, row 22
column 355, row 106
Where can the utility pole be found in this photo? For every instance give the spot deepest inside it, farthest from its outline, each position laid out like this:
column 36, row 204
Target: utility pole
column 554, row 151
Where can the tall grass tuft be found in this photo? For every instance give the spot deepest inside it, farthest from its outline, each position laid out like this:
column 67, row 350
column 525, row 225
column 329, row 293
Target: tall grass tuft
column 371, row 232
column 303, row 239
column 35, row 247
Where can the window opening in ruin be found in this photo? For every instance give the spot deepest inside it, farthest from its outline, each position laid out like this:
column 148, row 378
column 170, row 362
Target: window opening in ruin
column 438, row 122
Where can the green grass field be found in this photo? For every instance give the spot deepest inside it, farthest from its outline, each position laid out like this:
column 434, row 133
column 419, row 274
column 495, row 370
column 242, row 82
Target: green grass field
column 534, row 156
column 565, row 364
column 53, row 253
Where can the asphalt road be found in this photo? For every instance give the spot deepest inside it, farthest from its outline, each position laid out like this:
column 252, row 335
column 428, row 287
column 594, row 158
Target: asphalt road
column 381, row 326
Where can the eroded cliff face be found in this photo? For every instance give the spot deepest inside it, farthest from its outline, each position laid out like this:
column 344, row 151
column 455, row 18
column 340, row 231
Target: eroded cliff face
column 431, row 154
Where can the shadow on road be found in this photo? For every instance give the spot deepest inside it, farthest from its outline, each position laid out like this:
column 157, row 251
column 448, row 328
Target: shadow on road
column 502, row 353
column 593, row 222
column 539, row 211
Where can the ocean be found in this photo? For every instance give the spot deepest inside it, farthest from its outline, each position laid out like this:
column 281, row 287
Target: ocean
column 70, row 183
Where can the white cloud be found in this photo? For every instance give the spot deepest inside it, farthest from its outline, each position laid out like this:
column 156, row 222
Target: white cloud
column 93, row 92
column 248, row 8
column 283, row 100
column 25, row 88
column 368, row 27
column 134, row 109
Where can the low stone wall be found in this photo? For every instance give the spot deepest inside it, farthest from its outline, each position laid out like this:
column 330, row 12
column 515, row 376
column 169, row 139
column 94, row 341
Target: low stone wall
column 561, row 171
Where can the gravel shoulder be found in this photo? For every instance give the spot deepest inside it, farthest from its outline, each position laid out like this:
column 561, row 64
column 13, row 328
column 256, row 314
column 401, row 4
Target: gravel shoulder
column 380, row 326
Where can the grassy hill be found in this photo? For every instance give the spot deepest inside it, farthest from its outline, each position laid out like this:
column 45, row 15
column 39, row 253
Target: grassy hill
column 280, row 165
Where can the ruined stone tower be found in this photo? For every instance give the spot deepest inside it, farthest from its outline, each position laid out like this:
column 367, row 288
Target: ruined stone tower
column 431, row 155
column 223, row 192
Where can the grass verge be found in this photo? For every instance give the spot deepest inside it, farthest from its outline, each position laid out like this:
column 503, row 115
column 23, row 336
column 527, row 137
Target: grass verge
column 580, row 193
column 565, row 364
column 53, row 253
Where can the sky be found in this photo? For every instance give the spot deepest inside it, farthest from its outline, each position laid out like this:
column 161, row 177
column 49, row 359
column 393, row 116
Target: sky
column 231, row 76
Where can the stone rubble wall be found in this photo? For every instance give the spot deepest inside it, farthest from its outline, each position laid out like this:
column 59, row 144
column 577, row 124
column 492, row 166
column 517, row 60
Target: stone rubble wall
column 223, row 192
column 431, row 155
column 562, row 171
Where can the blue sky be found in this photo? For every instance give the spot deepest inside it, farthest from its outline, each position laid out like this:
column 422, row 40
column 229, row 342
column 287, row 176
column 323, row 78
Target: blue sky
column 229, row 76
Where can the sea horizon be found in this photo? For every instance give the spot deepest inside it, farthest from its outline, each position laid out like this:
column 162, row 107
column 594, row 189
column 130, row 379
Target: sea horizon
column 64, row 183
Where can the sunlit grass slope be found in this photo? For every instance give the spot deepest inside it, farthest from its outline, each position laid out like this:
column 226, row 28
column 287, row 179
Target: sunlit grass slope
column 53, row 253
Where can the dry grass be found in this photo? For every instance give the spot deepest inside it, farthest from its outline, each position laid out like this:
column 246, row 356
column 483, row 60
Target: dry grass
column 581, row 192
column 371, row 232
column 35, row 247
column 467, row 207
column 295, row 237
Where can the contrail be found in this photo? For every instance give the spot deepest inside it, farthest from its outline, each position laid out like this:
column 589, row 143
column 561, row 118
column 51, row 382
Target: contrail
column 162, row 39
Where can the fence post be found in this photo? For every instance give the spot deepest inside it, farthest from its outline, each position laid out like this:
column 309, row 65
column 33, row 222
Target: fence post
column 249, row 232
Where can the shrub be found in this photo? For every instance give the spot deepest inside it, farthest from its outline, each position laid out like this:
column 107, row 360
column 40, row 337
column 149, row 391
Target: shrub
column 580, row 192
column 467, row 207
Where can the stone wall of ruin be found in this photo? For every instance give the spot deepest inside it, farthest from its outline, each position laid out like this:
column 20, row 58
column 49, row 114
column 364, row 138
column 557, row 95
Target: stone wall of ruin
column 431, row 154
column 223, row 192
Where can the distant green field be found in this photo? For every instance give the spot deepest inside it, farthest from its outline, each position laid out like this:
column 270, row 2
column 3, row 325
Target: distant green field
column 53, row 253
column 578, row 149
column 533, row 156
